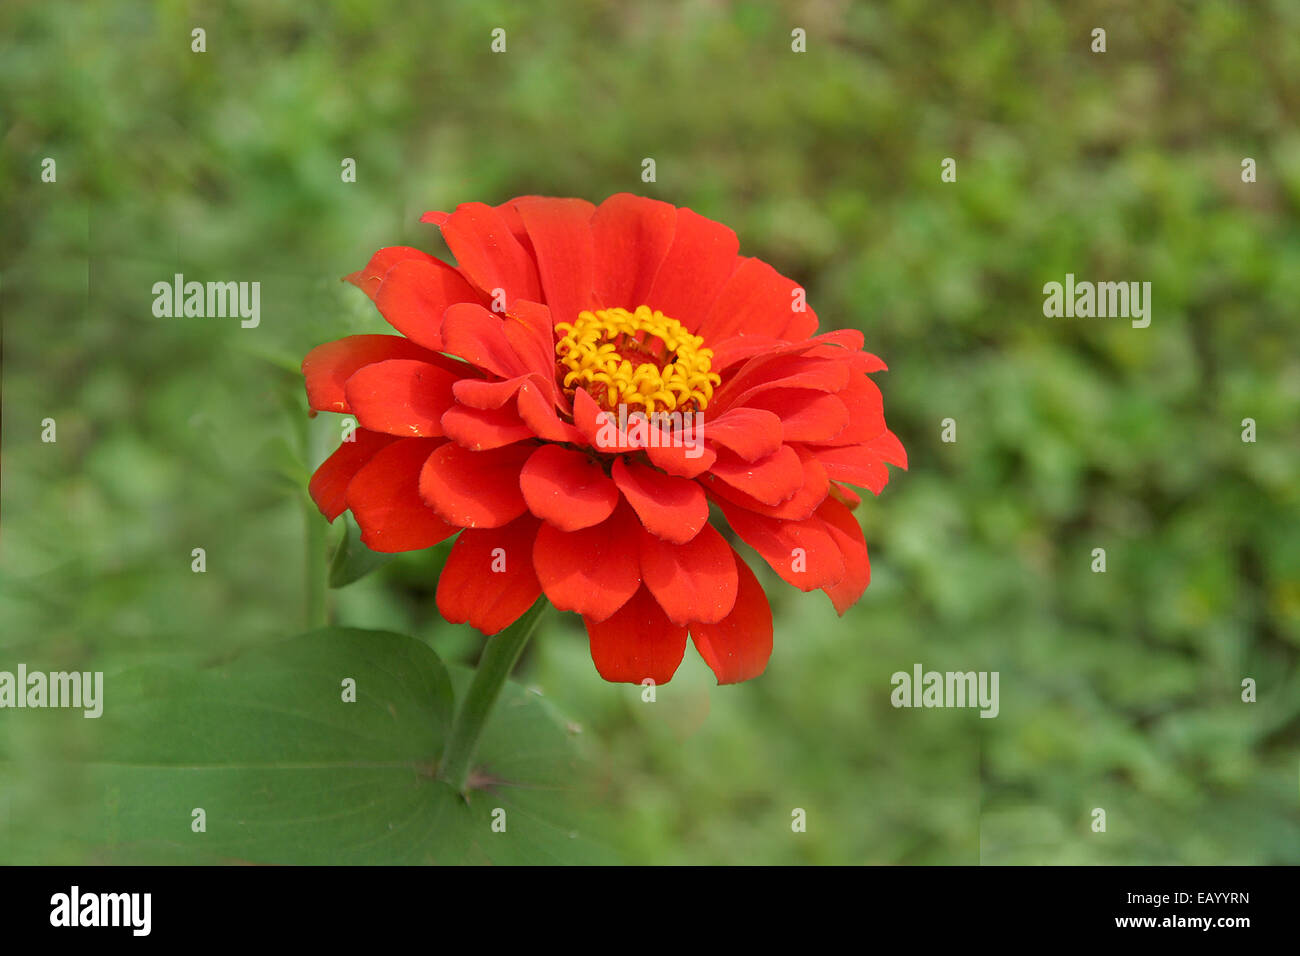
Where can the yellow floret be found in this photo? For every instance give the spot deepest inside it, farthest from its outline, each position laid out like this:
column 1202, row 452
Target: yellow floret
column 592, row 348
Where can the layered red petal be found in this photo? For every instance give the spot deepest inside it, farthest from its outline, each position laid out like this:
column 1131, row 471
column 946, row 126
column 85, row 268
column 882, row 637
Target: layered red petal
column 566, row 488
column 488, row 579
column 329, row 485
column 560, row 230
column 770, row 480
column 847, row 535
column 751, row 433
column 593, row 571
column 369, row 276
column 476, row 335
column 384, row 497
column 475, row 489
column 803, row 552
column 757, row 300
column 637, row 643
column 670, row 507
column 488, row 253
column 482, row 429
column 695, row 268
column 328, row 367
column 405, row 397
column 415, row 293
column 631, row 236
column 695, row 581
column 737, row 647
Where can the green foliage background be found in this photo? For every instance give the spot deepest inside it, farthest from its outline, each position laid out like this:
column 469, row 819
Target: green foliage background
column 1118, row 690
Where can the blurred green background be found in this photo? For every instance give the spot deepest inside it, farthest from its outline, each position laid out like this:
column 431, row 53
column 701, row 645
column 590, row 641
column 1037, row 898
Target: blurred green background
column 1119, row 691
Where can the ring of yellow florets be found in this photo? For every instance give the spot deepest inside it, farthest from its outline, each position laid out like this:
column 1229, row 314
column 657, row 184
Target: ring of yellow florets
column 642, row 358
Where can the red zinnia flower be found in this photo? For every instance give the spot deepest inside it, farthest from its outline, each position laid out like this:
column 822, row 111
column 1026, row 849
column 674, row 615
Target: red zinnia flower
column 487, row 418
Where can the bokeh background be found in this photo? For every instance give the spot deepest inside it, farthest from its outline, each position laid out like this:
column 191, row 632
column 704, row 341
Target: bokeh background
column 1119, row 691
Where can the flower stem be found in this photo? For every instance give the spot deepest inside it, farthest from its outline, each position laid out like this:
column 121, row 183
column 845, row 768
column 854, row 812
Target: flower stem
column 316, row 598
column 315, row 607
column 499, row 657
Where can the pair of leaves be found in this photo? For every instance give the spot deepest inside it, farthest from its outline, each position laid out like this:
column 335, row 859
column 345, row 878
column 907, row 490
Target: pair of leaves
column 286, row 771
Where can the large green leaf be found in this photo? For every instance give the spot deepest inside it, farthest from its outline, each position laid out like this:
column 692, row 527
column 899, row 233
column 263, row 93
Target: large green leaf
column 286, row 771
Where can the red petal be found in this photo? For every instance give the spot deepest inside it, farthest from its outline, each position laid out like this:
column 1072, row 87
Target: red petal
column 369, row 277
column 481, row 393
column 329, row 485
column 402, row 397
column 861, row 398
column 847, row 534
column 509, row 211
column 637, row 644
column 801, row 325
column 785, row 371
column 599, row 427
column 482, row 429
column 592, row 571
column 631, row 236
column 510, row 216
column 756, row 300
column 845, row 345
column 538, row 412
column 488, row 253
column 856, row 466
column 677, row 459
column 527, row 327
column 567, row 488
column 385, row 499
column 738, row 647
column 790, row 545
column 740, row 348
column 488, row 579
column 845, row 495
column 798, row 506
column 673, row 508
column 475, row 489
column 561, row 233
column 889, row 448
column 328, row 367
column 416, row 292
column 695, row 581
column 477, row 336
column 700, row 260
column 806, row 415
column 771, row 480
column 751, row 433
column 760, row 350
column 665, row 450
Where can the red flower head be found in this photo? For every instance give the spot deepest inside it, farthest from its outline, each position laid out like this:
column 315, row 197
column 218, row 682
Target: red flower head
column 572, row 396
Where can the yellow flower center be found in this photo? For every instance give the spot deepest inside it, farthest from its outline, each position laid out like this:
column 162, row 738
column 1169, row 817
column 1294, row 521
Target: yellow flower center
column 640, row 358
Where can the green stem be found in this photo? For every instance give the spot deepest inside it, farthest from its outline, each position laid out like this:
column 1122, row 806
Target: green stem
column 317, row 567
column 316, row 609
column 498, row 660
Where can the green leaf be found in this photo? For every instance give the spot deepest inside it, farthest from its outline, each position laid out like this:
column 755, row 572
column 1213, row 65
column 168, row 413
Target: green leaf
column 353, row 560
column 286, row 771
